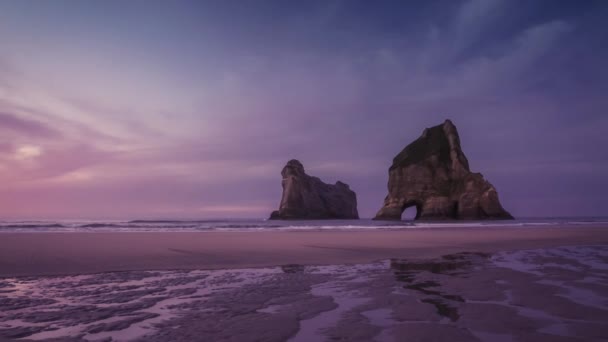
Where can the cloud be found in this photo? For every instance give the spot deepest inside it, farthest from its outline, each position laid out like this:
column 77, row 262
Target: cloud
column 28, row 152
column 12, row 124
column 210, row 122
column 473, row 19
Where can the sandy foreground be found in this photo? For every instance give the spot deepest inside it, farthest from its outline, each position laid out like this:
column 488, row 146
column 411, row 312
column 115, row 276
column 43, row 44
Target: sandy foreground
column 457, row 284
column 24, row 254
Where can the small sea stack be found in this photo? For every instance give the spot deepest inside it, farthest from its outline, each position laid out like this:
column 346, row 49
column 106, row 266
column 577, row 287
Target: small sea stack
column 308, row 198
column 432, row 174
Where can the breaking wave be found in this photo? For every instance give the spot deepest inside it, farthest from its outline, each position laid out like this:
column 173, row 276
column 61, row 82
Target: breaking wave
column 235, row 225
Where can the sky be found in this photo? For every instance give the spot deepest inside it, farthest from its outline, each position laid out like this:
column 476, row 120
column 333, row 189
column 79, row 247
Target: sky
column 190, row 109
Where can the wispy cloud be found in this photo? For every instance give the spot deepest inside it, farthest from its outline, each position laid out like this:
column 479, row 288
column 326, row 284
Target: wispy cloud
column 14, row 125
column 205, row 113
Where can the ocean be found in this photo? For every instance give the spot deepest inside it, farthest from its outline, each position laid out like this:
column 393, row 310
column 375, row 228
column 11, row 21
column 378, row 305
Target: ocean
column 236, row 225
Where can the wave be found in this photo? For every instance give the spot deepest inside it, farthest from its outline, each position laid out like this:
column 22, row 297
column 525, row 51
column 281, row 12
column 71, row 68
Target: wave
column 249, row 226
column 115, row 225
column 173, row 221
column 30, row 226
column 99, row 225
column 264, row 225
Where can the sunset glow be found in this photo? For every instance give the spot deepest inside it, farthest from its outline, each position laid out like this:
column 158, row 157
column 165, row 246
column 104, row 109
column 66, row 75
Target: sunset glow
column 104, row 113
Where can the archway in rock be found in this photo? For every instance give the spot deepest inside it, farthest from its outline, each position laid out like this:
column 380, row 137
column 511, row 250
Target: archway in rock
column 410, row 212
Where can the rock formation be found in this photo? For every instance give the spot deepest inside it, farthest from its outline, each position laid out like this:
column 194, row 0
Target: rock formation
column 432, row 174
column 306, row 197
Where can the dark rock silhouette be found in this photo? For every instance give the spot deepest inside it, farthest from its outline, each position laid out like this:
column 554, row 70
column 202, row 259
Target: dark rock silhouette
column 432, row 174
column 306, row 197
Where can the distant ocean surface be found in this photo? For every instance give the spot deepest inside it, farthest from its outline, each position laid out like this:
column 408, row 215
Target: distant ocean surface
column 235, row 225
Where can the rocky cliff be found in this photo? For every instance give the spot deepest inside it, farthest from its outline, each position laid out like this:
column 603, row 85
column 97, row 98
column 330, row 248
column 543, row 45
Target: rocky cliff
column 432, row 174
column 306, row 197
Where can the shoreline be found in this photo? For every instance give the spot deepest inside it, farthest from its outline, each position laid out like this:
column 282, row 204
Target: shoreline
column 308, row 229
column 53, row 253
column 197, row 226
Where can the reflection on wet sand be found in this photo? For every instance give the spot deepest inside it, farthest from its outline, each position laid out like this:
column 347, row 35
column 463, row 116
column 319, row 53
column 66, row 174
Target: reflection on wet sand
column 526, row 295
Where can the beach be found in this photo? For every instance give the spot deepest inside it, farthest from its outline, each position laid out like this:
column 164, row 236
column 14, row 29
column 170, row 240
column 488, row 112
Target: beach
column 31, row 254
column 547, row 283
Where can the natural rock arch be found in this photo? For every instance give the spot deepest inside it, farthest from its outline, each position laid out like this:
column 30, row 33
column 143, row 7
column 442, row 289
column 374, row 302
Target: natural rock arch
column 415, row 206
column 433, row 174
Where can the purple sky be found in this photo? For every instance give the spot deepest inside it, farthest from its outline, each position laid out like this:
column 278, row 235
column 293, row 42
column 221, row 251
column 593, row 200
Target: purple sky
column 150, row 109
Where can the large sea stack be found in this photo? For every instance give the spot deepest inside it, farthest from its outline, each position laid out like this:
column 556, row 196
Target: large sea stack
column 432, row 174
column 308, row 198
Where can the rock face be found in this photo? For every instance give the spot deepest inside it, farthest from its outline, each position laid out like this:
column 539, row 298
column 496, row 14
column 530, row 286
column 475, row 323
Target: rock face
column 432, row 174
column 306, row 197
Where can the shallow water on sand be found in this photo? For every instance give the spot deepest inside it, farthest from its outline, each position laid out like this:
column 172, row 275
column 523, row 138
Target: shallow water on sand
column 538, row 294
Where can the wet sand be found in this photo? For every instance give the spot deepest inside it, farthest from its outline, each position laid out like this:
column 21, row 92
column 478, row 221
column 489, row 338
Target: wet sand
column 31, row 254
column 551, row 294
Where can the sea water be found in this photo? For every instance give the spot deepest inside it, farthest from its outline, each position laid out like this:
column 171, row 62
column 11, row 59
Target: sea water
column 236, row 225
